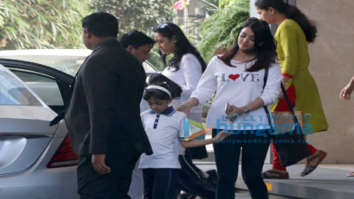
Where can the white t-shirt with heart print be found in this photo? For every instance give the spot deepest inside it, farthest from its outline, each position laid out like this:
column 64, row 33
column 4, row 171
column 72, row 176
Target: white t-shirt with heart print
column 238, row 87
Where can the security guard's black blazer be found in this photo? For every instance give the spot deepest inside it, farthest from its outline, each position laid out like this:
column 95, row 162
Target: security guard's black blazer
column 104, row 115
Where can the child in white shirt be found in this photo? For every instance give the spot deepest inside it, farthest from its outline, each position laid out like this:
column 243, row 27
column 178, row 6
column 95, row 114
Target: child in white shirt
column 164, row 127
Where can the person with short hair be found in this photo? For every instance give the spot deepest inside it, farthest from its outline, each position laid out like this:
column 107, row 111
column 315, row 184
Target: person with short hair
column 103, row 117
column 137, row 44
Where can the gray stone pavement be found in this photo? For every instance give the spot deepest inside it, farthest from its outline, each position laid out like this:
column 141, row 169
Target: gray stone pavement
column 326, row 182
column 246, row 195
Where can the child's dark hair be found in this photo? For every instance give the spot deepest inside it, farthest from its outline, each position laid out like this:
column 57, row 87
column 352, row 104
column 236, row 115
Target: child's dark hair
column 162, row 81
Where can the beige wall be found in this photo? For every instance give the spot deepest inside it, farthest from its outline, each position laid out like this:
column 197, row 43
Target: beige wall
column 332, row 65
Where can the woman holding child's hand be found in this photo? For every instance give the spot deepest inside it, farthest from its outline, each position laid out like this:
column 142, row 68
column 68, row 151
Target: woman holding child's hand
column 237, row 78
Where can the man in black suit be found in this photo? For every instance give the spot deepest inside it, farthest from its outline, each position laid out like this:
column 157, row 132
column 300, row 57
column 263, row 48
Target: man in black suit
column 103, row 117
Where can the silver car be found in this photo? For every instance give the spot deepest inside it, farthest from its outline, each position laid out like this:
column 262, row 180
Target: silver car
column 36, row 159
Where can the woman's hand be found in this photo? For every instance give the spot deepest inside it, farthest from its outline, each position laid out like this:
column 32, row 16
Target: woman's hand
column 221, row 136
column 346, row 92
column 233, row 112
column 187, row 106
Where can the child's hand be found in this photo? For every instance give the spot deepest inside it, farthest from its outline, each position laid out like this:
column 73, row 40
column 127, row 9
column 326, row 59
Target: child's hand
column 221, row 136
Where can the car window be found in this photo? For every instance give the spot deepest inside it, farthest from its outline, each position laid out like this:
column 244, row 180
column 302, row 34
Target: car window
column 69, row 66
column 44, row 86
column 14, row 92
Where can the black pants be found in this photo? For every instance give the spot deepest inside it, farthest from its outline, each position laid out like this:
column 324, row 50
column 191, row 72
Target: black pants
column 192, row 181
column 254, row 150
column 160, row 183
column 114, row 185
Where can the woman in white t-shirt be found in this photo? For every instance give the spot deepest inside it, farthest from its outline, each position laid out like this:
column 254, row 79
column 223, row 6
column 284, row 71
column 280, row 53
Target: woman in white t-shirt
column 244, row 79
column 165, row 128
column 184, row 68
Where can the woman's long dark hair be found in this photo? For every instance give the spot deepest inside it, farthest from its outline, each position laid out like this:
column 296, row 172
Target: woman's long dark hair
column 291, row 12
column 264, row 45
column 183, row 46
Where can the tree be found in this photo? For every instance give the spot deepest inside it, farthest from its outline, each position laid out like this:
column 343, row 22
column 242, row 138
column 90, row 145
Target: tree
column 211, row 6
column 140, row 15
column 41, row 23
column 220, row 30
column 136, row 14
column 225, row 3
column 195, row 21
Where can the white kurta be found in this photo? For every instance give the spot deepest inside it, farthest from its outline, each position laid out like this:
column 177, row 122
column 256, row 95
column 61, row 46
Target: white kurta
column 187, row 77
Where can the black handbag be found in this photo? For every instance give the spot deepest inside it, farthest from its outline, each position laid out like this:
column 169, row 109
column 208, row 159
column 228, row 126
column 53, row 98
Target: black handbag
column 291, row 146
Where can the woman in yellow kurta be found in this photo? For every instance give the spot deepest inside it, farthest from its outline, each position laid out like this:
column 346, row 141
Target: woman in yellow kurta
column 292, row 37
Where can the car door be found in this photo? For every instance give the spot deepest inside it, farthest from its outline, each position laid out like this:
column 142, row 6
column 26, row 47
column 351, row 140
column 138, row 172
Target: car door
column 25, row 132
column 51, row 85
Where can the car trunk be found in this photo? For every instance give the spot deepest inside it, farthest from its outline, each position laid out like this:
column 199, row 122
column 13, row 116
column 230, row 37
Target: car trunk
column 24, row 135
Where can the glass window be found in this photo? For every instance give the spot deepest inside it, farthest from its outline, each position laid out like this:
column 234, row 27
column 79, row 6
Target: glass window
column 13, row 91
column 44, row 86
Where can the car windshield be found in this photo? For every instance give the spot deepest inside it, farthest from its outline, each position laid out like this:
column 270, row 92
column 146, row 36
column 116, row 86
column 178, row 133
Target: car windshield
column 13, row 91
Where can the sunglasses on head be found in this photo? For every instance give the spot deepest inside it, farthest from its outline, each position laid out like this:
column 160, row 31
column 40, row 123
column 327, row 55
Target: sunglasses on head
column 164, row 26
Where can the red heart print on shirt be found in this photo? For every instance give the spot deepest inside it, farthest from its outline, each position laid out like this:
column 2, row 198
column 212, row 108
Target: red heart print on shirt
column 234, row 76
